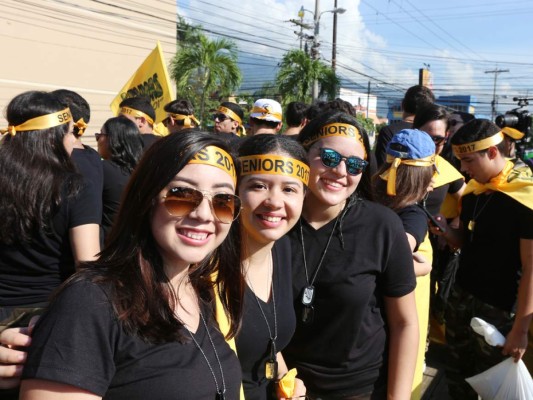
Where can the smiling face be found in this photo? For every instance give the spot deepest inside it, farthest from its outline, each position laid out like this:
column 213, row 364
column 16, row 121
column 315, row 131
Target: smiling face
column 271, row 205
column 191, row 238
column 332, row 186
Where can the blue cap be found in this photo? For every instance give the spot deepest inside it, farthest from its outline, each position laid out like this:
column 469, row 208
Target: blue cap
column 411, row 144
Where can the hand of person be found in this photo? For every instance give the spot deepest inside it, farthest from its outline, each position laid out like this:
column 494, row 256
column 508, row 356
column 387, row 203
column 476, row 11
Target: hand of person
column 515, row 344
column 13, row 342
column 442, row 228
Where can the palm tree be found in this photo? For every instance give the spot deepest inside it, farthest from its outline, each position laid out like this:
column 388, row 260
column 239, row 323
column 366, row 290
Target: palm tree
column 296, row 76
column 206, row 67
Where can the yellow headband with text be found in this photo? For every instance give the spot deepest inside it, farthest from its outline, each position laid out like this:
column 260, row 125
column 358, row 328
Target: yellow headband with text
column 230, row 113
column 216, row 157
column 42, row 122
column 460, row 149
column 275, row 165
column 390, row 174
column 336, row 129
column 136, row 114
column 185, row 118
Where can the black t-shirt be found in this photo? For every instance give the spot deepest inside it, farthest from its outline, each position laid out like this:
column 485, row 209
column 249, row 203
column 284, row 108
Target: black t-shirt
column 384, row 137
column 30, row 272
column 148, row 139
column 253, row 339
column 80, row 342
column 343, row 351
column 436, row 196
column 490, row 264
column 115, row 179
column 414, row 222
column 89, row 164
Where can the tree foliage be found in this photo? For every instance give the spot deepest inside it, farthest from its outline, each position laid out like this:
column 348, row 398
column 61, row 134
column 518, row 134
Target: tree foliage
column 297, row 73
column 205, row 68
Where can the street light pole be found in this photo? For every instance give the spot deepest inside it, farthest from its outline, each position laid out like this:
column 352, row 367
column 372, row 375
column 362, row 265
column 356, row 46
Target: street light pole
column 334, row 44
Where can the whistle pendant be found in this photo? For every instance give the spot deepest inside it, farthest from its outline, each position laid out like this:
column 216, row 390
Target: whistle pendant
column 471, row 225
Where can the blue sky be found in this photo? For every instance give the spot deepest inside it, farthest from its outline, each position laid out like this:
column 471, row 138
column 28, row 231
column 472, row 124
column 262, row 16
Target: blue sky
column 387, row 41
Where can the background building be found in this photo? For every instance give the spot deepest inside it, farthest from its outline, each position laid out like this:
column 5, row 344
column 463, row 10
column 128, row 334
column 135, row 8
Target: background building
column 90, row 47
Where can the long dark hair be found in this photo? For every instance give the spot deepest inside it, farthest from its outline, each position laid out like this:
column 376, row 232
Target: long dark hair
column 141, row 294
column 124, row 141
column 36, row 173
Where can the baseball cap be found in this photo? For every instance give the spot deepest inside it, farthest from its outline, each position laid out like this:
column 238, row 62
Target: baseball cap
column 411, row 144
column 267, row 110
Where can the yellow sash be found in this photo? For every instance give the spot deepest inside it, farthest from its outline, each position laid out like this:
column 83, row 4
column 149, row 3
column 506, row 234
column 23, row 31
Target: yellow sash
column 514, row 183
column 446, row 172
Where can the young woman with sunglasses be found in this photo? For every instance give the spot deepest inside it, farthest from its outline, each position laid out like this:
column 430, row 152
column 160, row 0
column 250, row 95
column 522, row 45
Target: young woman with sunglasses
column 138, row 323
column 353, row 278
column 273, row 182
column 120, row 147
column 48, row 217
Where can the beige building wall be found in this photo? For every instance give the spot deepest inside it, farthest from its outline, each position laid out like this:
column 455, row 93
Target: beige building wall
column 91, row 47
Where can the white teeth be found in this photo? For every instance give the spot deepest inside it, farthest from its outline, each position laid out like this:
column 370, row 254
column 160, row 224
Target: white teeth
column 195, row 235
column 332, row 183
column 271, row 219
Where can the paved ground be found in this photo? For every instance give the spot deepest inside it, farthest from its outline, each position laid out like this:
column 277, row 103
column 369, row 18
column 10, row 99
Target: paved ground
column 434, row 383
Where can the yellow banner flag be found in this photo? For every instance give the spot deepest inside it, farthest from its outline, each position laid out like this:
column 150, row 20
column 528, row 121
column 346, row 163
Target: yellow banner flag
column 150, row 80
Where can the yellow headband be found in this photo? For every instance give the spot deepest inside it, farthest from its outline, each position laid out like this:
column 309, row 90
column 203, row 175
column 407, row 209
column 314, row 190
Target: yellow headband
column 483, row 144
column 136, row 114
column 229, row 113
column 336, row 129
column 216, row 157
column 275, row 165
column 390, row 174
column 186, row 119
column 513, row 133
column 42, row 122
column 81, row 125
column 266, row 112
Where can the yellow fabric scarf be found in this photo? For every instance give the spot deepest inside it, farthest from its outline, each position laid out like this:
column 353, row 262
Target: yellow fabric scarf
column 513, row 182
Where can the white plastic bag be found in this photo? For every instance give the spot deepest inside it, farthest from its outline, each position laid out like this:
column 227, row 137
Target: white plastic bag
column 505, row 381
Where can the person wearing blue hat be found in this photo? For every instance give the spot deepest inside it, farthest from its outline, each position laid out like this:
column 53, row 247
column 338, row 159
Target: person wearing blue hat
column 401, row 183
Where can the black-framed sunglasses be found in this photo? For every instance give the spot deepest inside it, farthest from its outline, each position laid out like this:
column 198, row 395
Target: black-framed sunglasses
column 98, row 135
column 181, row 201
column 220, row 117
column 438, row 140
column 331, row 158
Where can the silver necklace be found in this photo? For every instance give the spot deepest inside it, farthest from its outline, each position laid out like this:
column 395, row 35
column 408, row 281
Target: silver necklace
column 271, row 365
column 220, row 391
column 309, row 292
column 472, row 222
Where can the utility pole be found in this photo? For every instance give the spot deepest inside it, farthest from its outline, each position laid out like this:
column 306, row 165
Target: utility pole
column 368, row 99
column 301, row 15
column 495, row 72
column 314, row 50
column 334, row 46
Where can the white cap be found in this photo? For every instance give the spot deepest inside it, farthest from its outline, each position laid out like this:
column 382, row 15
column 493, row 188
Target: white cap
column 267, row 110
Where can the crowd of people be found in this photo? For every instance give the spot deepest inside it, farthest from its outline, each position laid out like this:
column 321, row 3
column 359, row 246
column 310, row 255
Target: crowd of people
column 255, row 261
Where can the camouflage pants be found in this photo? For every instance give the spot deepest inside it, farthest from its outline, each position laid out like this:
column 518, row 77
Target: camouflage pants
column 468, row 353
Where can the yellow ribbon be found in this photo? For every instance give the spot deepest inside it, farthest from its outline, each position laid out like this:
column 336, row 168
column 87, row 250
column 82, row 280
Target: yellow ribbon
column 513, row 133
column 216, row 157
column 136, row 114
column 465, row 148
column 390, row 174
column 266, row 112
column 81, row 125
column 275, row 165
column 286, row 384
column 513, row 182
column 336, row 129
column 185, row 118
column 41, row 122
